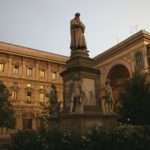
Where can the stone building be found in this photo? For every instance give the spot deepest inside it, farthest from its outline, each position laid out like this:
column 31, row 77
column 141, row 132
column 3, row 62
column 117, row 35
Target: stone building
column 121, row 61
column 29, row 73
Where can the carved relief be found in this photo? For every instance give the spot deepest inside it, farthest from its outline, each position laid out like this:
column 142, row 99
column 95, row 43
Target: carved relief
column 127, row 58
column 68, row 92
column 89, row 91
column 3, row 58
column 54, row 67
column 16, row 60
column 30, row 63
column 43, row 66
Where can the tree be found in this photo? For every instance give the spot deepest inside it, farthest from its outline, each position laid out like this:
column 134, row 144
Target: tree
column 7, row 118
column 135, row 100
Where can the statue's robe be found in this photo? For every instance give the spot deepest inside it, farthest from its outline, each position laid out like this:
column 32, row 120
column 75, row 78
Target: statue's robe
column 77, row 34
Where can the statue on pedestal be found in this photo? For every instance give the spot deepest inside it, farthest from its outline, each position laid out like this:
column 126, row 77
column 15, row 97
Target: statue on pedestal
column 77, row 29
column 109, row 95
column 53, row 99
column 76, row 100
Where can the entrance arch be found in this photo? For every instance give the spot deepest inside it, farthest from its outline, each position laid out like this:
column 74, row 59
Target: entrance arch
column 117, row 76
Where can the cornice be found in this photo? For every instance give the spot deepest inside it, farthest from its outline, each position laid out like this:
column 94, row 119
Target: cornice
column 32, row 53
column 127, row 42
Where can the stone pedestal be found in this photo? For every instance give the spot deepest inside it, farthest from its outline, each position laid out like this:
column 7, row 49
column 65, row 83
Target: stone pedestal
column 91, row 113
column 80, row 64
column 83, row 123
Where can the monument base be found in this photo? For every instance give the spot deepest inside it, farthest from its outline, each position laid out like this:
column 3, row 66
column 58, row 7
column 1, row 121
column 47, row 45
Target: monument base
column 82, row 123
column 79, row 53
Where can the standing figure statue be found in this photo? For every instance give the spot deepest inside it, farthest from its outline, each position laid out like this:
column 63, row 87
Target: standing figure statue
column 77, row 33
column 53, row 99
column 109, row 95
column 76, row 100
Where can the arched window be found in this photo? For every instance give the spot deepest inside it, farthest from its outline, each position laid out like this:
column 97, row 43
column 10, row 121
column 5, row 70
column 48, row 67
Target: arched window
column 139, row 61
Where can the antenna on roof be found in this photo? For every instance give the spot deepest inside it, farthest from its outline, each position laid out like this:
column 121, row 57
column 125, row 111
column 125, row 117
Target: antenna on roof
column 131, row 29
column 136, row 28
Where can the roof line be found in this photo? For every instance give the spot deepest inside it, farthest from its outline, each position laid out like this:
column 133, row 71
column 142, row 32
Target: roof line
column 33, row 49
column 141, row 32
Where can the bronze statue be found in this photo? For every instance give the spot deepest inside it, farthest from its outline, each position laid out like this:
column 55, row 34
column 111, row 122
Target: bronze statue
column 109, row 94
column 53, row 99
column 77, row 33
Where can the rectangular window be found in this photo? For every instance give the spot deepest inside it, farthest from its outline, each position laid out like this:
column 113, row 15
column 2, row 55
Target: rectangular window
column 41, row 87
column 53, row 75
column 29, row 96
column 16, row 69
column 1, row 67
column 28, row 85
column 42, row 73
column 29, row 71
column 14, row 95
column 41, row 97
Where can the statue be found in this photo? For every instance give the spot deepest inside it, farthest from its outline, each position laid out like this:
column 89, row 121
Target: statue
column 76, row 100
column 53, row 99
column 109, row 95
column 77, row 33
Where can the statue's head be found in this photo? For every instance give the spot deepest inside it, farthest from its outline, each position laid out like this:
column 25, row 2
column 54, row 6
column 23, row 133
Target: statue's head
column 53, row 86
column 77, row 15
column 107, row 81
column 75, row 76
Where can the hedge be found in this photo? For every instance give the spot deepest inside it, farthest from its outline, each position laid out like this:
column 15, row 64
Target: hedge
column 123, row 137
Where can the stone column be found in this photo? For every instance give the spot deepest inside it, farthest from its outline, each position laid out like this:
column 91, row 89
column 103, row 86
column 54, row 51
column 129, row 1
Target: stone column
column 21, row 94
column 37, row 70
column 34, row 122
column 145, row 58
column 24, row 67
column 17, row 114
column 36, row 94
column 132, row 63
column 48, row 73
column 9, row 65
column 20, row 121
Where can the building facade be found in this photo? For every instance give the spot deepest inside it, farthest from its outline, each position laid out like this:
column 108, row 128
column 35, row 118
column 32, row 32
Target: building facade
column 119, row 63
column 29, row 73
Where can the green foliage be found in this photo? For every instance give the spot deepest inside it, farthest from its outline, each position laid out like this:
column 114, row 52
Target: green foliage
column 124, row 137
column 52, row 139
column 135, row 100
column 7, row 118
column 99, row 139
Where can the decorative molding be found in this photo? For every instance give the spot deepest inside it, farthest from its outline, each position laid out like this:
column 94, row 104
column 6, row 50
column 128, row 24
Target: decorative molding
column 3, row 60
column 28, row 88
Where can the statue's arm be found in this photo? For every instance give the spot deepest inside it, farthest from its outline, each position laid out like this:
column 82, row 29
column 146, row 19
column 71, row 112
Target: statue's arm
column 75, row 24
column 82, row 26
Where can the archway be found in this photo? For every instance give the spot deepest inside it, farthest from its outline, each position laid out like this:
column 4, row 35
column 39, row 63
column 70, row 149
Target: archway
column 118, row 75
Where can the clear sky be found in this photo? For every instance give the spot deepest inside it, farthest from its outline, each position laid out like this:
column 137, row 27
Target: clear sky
column 45, row 24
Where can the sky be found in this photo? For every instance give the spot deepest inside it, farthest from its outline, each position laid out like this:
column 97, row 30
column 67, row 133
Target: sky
column 45, row 24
